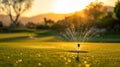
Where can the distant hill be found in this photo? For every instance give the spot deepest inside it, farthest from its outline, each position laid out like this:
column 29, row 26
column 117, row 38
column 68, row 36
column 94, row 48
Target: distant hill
column 4, row 19
column 40, row 18
column 52, row 16
column 36, row 19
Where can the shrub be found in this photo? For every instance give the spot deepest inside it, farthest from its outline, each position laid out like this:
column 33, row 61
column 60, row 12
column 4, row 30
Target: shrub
column 58, row 27
column 42, row 27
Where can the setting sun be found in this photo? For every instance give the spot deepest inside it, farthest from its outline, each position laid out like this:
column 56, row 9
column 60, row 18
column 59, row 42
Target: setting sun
column 69, row 6
column 61, row 6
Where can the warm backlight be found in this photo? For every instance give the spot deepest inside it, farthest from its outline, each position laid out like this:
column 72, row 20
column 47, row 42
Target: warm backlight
column 69, row 6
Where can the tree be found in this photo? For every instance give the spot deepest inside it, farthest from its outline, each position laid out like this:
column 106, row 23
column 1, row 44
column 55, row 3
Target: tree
column 117, row 10
column 30, row 25
column 48, row 21
column 1, row 24
column 15, row 7
column 95, row 10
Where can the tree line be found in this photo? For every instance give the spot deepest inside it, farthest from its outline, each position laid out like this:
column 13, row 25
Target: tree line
column 96, row 15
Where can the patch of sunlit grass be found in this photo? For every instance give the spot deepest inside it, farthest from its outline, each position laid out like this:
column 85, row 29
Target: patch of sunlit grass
column 11, row 35
column 44, row 55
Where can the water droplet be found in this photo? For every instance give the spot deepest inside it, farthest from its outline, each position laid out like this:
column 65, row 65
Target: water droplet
column 66, row 62
column 65, row 58
column 21, row 53
column 85, row 62
column 69, row 60
column 87, row 65
column 8, row 57
column 20, row 60
column 92, row 56
column 16, row 62
column 38, row 55
column 39, row 64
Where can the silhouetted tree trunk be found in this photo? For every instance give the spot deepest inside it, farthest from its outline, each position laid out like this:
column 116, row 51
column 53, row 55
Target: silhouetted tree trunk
column 15, row 7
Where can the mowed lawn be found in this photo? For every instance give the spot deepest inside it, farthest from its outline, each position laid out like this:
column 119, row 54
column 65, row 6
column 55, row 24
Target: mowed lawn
column 52, row 36
column 57, row 54
column 45, row 49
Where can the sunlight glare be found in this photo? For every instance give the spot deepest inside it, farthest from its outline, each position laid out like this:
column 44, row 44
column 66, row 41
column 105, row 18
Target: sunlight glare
column 69, row 6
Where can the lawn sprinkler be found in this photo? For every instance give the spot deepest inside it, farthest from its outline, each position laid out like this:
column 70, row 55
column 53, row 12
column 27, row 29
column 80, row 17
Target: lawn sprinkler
column 78, row 45
column 78, row 50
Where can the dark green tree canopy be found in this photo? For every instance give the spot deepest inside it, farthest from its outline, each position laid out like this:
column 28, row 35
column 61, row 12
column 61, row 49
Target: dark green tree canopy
column 95, row 10
column 117, row 10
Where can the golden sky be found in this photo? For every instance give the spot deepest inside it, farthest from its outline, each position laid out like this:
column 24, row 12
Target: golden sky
column 60, row 6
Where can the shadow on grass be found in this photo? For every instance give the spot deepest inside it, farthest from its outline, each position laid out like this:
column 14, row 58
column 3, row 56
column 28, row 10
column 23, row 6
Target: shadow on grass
column 18, row 31
column 76, row 51
column 46, row 34
column 105, row 40
column 12, row 39
column 50, row 36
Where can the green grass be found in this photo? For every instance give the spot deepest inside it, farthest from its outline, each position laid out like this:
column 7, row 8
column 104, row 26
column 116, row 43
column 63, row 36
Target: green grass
column 56, row 54
column 107, row 37
column 35, row 36
column 51, row 36
column 44, row 48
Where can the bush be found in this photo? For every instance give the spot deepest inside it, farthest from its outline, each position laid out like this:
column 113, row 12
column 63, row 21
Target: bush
column 31, row 25
column 42, row 27
column 58, row 27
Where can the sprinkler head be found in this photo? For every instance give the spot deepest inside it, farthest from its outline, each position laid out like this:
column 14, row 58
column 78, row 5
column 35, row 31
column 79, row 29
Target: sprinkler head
column 78, row 45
